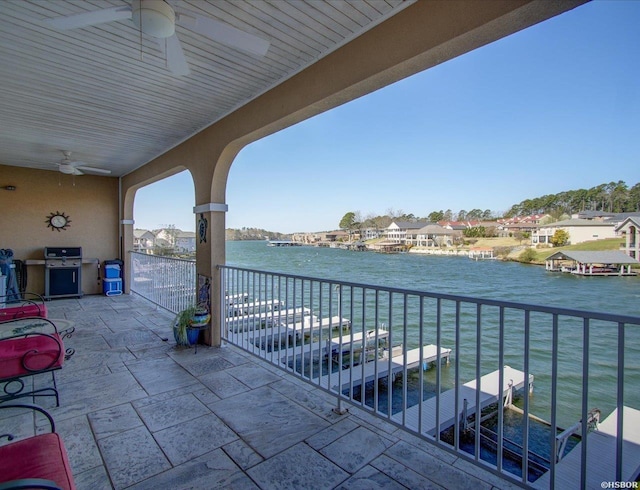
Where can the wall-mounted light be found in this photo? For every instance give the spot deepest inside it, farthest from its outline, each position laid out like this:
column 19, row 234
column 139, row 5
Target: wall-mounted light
column 9, row 187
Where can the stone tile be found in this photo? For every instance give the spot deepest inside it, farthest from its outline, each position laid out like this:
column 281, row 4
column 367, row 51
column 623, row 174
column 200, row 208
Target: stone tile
column 253, row 375
column 317, row 401
column 166, row 395
column 356, row 449
column 82, row 397
column 160, row 375
column 371, row 420
column 297, row 467
column 426, row 446
column 175, row 410
column 234, row 356
column 114, row 420
column 96, row 359
column 267, row 421
column 67, row 376
column 131, row 337
column 222, row 384
column 331, row 433
column 369, row 478
column 212, row 470
column 193, row 438
column 495, row 481
column 205, row 395
column 93, row 479
column 132, row 456
column 18, row 423
column 242, row 455
column 432, row 468
column 290, row 384
column 201, row 363
column 406, row 476
column 81, row 446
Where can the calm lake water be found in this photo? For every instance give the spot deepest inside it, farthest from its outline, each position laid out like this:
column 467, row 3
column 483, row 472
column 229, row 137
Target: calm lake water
column 497, row 280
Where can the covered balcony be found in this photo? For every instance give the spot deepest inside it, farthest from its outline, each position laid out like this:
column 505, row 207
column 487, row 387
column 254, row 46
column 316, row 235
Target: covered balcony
column 95, row 109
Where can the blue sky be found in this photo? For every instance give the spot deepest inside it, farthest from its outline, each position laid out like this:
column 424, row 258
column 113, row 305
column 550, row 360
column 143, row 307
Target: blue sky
column 552, row 108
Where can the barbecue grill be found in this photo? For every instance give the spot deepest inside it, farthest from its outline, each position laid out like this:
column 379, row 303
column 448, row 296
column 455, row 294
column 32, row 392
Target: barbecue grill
column 63, row 272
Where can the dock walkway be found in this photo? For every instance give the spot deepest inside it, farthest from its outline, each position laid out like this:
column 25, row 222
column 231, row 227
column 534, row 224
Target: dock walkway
column 601, row 455
column 490, row 393
column 349, row 377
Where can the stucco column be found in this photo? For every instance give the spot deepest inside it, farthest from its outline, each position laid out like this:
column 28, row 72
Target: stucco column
column 125, row 246
column 210, row 252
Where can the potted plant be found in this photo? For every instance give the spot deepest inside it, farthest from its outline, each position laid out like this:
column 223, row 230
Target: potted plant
column 188, row 322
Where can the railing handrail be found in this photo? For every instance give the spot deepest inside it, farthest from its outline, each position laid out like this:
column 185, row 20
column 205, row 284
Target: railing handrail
column 594, row 315
column 172, row 287
column 163, row 257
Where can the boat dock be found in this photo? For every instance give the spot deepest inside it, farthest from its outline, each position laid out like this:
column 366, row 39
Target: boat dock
column 283, row 243
column 329, row 346
column 354, row 377
column 266, row 318
column 601, row 455
column 490, row 393
column 242, row 309
column 288, row 332
column 309, row 324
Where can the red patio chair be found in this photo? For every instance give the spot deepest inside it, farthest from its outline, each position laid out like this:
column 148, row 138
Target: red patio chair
column 30, row 346
column 30, row 305
column 35, row 462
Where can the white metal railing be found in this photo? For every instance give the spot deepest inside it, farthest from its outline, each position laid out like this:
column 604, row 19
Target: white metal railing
column 413, row 348
column 165, row 281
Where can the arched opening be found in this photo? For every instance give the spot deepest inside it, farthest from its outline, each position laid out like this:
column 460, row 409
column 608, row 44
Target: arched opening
column 170, row 221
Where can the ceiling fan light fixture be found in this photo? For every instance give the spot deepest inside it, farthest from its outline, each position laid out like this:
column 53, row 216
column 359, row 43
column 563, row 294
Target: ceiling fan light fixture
column 155, row 17
column 66, row 168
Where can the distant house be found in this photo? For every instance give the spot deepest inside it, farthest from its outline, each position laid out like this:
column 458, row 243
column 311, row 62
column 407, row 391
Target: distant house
column 579, row 230
column 143, row 240
column 370, row 233
column 436, row 236
column 519, row 224
column 185, row 242
column 630, row 228
column 404, row 231
column 335, row 236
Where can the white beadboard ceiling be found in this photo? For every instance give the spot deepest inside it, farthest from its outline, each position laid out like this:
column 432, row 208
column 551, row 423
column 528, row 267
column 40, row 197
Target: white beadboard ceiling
column 105, row 94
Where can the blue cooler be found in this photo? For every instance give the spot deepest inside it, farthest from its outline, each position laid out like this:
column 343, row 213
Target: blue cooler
column 112, row 287
column 112, row 271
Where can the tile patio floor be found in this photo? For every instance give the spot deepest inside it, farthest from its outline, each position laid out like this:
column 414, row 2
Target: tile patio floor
column 137, row 412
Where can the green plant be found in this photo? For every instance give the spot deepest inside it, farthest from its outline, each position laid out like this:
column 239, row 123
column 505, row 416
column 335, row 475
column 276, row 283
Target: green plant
column 528, row 255
column 181, row 322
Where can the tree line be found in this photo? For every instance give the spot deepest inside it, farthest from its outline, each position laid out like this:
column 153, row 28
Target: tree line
column 614, row 197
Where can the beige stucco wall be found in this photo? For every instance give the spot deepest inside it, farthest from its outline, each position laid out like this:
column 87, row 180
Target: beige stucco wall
column 91, row 204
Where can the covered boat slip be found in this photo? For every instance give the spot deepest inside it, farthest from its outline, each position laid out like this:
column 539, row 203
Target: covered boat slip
column 603, row 263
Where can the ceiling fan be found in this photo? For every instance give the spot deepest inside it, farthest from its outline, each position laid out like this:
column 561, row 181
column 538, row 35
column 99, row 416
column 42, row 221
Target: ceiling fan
column 74, row 167
column 158, row 19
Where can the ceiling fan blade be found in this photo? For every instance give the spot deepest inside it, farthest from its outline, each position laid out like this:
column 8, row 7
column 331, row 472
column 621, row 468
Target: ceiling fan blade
column 176, row 60
column 86, row 19
column 77, row 172
column 93, row 170
column 224, row 34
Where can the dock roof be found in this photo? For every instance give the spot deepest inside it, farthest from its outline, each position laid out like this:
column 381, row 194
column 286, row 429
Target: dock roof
column 601, row 257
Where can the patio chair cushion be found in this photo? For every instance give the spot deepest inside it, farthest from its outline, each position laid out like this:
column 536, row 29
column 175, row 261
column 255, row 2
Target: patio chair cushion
column 25, row 355
column 42, row 456
column 23, row 311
